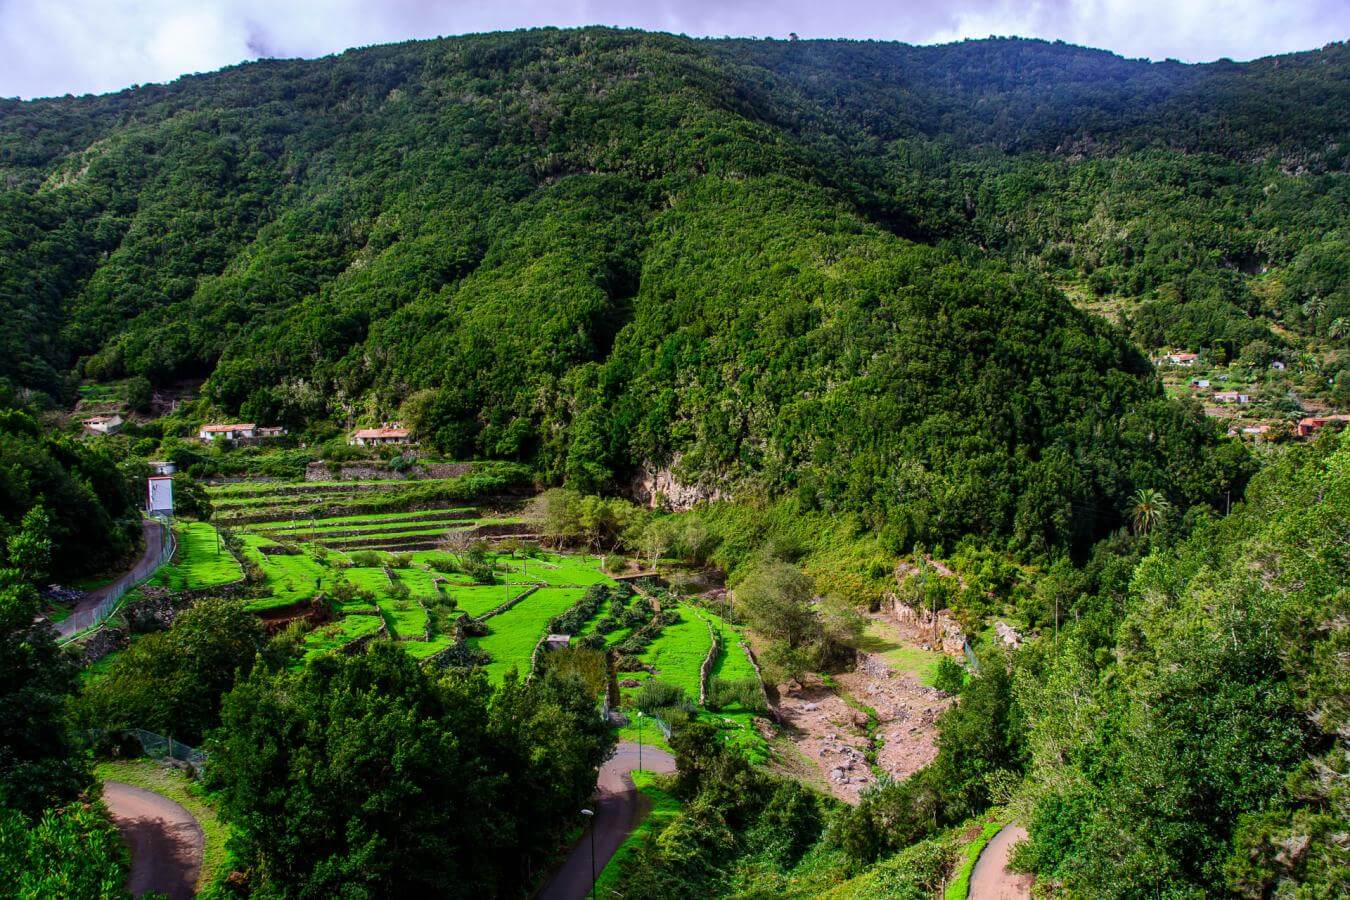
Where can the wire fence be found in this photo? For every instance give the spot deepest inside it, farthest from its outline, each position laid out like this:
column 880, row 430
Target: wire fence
column 155, row 746
column 78, row 623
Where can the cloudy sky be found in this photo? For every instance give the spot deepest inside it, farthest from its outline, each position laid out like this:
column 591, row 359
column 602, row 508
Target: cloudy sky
column 51, row 47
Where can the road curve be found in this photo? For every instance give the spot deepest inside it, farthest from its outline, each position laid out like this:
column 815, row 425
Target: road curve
column 618, row 810
column 154, row 543
column 991, row 878
column 165, row 840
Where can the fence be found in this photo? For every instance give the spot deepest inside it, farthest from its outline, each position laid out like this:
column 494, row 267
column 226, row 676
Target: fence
column 78, row 623
column 971, row 657
column 155, row 746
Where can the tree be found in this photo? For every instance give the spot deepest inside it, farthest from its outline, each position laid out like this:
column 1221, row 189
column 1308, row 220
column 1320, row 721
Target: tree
column 190, row 499
column 39, row 764
column 71, row 851
column 368, row 775
column 172, row 682
column 1149, row 509
column 777, row 600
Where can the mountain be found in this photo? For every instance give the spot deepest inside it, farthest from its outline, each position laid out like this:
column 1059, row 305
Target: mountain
column 828, row 268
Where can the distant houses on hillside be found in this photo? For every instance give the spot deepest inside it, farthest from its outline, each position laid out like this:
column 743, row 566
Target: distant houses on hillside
column 1232, row 397
column 245, row 431
column 104, row 424
column 1309, row 425
column 391, row 433
column 1179, row 358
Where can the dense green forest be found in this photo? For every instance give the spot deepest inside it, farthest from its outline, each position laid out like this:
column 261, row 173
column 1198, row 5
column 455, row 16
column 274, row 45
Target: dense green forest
column 825, row 267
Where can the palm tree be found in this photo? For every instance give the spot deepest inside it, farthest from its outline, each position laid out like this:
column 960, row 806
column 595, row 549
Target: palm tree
column 1149, row 509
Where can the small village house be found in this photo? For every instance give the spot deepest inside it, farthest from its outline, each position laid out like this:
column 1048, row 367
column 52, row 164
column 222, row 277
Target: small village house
column 162, row 467
column 104, row 424
column 1309, row 425
column 1277, row 365
column 245, row 431
column 1180, row 359
column 383, row 436
column 1232, row 397
column 271, row 431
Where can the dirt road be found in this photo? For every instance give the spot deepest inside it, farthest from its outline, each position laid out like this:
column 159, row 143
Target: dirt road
column 154, row 543
column 617, row 812
column 165, row 840
column 991, row 880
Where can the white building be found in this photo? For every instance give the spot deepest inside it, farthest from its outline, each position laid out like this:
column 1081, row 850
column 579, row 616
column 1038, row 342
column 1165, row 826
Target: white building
column 162, row 467
column 104, row 424
column 228, row 432
column 379, row 437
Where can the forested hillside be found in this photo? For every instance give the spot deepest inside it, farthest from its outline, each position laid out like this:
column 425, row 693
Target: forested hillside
column 823, row 267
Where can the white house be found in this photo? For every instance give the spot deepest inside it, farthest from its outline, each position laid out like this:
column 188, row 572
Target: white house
column 1181, row 359
column 1232, row 397
column 379, row 437
column 271, row 431
column 104, row 424
column 162, row 467
column 1277, row 365
column 228, row 432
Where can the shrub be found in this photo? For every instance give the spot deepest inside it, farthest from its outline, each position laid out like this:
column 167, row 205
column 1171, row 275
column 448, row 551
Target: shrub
column 399, row 560
column 656, row 695
column 366, row 558
column 950, row 676
column 743, row 692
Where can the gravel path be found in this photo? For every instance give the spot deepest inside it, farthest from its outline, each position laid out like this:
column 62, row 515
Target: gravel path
column 165, row 840
column 991, row 880
column 618, row 810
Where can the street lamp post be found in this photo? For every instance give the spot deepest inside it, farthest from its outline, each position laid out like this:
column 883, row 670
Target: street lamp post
column 639, row 720
column 590, row 817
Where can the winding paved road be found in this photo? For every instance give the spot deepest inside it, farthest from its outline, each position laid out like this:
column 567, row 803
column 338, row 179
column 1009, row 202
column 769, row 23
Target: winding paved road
column 165, row 840
column 618, row 809
column 154, row 543
column 991, row 879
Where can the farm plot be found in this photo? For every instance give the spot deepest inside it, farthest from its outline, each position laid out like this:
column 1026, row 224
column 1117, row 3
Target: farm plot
column 201, row 560
column 677, row 654
column 335, row 635
column 553, row 569
column 513, row 634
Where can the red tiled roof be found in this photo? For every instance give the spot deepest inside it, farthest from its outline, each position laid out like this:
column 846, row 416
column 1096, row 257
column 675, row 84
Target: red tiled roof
column 382, row 433
column 222, row 429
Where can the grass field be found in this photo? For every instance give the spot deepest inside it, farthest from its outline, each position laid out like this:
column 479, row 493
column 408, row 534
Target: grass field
column 332, row 636
column 514, row 633
column 201, row 561
column 678, row 654
column 922, row 664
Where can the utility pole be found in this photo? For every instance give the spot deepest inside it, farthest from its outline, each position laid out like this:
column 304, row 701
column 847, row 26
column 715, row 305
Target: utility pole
column 590, row 822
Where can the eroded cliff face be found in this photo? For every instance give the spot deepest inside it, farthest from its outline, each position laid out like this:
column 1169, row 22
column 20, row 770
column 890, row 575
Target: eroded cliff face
column 660, row 487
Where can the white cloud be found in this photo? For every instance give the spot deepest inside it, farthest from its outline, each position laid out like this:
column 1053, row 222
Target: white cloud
column 79, row 46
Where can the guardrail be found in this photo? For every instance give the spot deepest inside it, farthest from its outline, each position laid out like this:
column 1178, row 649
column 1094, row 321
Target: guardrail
column 79, row 623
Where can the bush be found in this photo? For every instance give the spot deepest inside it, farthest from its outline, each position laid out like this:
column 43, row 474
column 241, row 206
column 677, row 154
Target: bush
column 399, row 560
column 742, row 692
column 656, row 695
column 950, row 676
column 366, row 558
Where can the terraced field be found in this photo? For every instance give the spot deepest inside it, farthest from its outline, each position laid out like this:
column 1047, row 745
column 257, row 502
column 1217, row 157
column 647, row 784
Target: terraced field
column 306, row 537
column 678, row 654
column 513, row 634
column 201, row 561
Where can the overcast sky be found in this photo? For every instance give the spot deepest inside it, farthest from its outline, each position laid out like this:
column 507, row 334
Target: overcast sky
column 51, row 47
